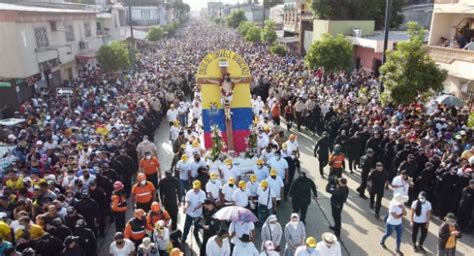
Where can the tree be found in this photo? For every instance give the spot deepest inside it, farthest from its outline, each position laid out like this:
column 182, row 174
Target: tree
column 114, row 56
column 409, row 70
column 278, row 49
column 244, row 27
column 155, row 34
column 357, row 10
column 332, row 53
column 235, row 18
column 253, row 34
column 268, row 32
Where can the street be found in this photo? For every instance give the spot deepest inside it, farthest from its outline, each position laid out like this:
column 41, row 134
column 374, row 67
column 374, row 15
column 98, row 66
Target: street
column 361, row 232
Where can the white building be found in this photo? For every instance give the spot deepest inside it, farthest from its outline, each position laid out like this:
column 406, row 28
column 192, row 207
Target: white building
column 453, row 20
column 39, row 46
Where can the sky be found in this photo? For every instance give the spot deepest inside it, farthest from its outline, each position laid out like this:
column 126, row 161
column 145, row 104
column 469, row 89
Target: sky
column 197, row 5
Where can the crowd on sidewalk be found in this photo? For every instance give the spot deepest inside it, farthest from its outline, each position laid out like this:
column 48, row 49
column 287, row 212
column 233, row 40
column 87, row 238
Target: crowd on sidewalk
column 70, row 162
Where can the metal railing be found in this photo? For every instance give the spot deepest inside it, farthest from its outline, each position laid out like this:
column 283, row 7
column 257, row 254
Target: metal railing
column 449, row 55
column 446, row 1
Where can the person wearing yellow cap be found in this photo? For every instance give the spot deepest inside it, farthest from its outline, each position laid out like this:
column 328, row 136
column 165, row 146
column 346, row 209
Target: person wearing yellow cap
column 241, row 196
column 228, row 170
column 252, row 186
column 308, row 249
column 260, row 170
column 228, row 192
column 276, row 183
column 175, row 129
column 193, row 208
column 184, row 172
column 195, row 165
column 213, row 187
column 266, row 200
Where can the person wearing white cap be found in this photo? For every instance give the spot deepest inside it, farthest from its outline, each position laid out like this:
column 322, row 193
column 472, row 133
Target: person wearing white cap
column 269, row 249
column 271, row 231
column 394, row 220
column 329, row 246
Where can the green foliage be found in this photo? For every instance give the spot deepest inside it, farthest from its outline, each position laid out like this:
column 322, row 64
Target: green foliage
column 253, row 34
column 171, row 28
column 235, row 18
column 409, row 70
column 332, row 53
column 357, row 10
column 244, row 27
column 114, row 56
column 155, row 34
column 269, row 35
column 278, row 49
column 470, row 120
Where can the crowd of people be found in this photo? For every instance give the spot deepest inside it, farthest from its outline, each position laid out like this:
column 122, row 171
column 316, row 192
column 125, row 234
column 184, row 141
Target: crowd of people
column 75, row 166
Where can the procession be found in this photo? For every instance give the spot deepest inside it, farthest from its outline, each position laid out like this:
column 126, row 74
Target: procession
column 212, row 145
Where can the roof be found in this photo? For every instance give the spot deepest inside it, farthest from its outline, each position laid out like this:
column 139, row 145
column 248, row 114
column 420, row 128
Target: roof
column 104, row 15
column 23, row 8
column 394, row 36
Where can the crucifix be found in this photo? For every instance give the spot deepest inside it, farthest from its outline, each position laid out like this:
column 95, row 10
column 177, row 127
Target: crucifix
column 227, row 85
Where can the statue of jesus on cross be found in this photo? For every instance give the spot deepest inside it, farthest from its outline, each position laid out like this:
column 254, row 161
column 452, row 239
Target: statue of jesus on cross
column 227, row 85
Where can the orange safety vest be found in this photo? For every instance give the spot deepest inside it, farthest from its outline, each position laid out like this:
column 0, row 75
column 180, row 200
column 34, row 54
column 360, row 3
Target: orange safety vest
column 153, row 217
column 135, row 229
column 143, row 194
column 150, row 166
column 119, row 202
column 276, row 110
column 336, row 161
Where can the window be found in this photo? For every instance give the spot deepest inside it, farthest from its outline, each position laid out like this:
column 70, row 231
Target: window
column 87, row 29
column 41, row 35
column 69, row 32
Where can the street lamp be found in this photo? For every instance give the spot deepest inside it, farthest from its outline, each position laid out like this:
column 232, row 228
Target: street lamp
column 388, row 4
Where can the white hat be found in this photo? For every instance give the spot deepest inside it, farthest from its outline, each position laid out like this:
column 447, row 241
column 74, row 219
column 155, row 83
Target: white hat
column 11, row 137
column 39, row 142
column 329, row 238
column 399, row 198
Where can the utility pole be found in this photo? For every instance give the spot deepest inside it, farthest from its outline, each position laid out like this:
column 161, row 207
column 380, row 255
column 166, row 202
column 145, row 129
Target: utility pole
column 130, row 18
column 388, row 4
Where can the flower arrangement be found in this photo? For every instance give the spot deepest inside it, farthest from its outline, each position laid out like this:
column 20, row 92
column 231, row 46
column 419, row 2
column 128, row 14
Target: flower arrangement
column 218, row 144
column 251, row 140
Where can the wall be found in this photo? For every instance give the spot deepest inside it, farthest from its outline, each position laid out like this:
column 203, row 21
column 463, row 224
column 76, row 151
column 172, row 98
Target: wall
column 367, row 56
column 344, row 27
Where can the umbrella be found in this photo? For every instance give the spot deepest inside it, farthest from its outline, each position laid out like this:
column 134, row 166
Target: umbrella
column 450, row 100
column 235, row 213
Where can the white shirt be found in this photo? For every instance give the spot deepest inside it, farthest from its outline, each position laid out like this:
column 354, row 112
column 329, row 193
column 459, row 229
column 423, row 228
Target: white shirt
column 214, row 188
column 276, row 184
column 240, row 198
column 174, row 132
column 402, row 185
column 212, row 249
column 183, row 168
column 334, row 250
column 228, row 192
column 291, row 146
column 247, row 249
column 240, row 228
column 425, row 208
column 128, row 248
column 263, row 197
column 194, row 200
column 262, row 173
column 194, row 166
column 229, row 172
column 280, row 165
column 252, row 188
column 172, row 115
column 196, row 112
column 301, row 251
column 162, row 241
column 396, row 209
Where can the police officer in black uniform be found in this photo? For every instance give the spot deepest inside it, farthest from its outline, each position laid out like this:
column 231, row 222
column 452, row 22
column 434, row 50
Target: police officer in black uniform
column 169, row 191
column 86, row 239
column 88, row 208
column 367, row 163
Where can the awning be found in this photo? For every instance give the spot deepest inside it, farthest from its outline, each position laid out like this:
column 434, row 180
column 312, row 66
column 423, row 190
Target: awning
column 85, row 56
column 288, row 40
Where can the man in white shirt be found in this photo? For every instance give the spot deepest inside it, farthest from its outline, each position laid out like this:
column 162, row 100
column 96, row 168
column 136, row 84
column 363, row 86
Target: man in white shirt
column 401, row 183
column 174, row 131
column 172, row 114
column 276, row 183
column 266, row 199
column 308, row 249
column 280, row 165
column 260, row 170
column 193, row 208
column 292, row 145
column 228, row 170
column 228, row 191
column 329, row 246
column 183, row 169
column 146, row 146
column 240, row 195
column 194, row 165
column 213, row 187
column 238, row 228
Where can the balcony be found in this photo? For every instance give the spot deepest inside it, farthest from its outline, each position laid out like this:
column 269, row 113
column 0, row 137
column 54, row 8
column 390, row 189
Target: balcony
column 446, row 1
column 449, row 55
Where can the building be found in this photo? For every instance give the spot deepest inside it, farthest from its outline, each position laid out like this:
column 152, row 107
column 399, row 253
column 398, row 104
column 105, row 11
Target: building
column 297, row 26
column 149, row 12
column 452, row 26
column 276, row 15
column 39, row 47
column 419, row 11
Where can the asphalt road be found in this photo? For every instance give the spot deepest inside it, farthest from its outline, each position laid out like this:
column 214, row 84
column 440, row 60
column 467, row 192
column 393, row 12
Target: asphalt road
column 361, row 232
